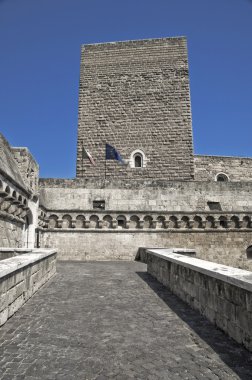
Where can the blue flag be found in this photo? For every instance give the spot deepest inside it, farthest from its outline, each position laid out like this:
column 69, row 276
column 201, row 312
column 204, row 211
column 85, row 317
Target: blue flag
column 112, row 154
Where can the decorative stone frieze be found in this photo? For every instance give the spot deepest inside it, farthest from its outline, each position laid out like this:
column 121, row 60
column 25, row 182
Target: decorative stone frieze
column 87, row 220
column 13, row 205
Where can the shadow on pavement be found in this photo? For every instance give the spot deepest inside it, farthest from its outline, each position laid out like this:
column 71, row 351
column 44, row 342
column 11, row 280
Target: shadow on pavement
column 235, row 356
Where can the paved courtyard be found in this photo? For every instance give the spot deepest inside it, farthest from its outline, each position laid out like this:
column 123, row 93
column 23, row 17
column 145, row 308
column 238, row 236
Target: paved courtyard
column 111, row 320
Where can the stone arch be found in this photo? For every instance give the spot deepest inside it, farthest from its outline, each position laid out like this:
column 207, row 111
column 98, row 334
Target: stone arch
column 249, row 252
column 197, row 222
column 94, row 221
column 137, row 159
column 80, row 221
column 234, row 221
column 173, row 222
column 221, row 177
column 148, row 220
column 67, row 221
column 134, row 221
column 107, row 221
column 121, row 221
column 53, row 221
column 160, row 222
column 210, row 222
column 7, row 189
column 246, row 222
column 185, row 222
column 223, row 221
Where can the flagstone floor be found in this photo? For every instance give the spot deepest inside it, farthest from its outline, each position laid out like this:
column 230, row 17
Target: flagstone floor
column 111, row 320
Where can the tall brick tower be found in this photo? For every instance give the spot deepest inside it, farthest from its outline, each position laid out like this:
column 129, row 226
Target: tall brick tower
column 134, row 95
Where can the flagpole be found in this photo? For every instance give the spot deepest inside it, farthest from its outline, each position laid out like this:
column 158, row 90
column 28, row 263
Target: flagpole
column 105, row 167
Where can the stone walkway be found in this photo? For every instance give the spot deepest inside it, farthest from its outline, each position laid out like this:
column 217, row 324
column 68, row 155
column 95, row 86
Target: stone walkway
column 111, row 320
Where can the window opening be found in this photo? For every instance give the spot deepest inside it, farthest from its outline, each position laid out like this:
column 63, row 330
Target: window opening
column 138, row 161
column 221, row 177
column 99, row 205
column 214, row 206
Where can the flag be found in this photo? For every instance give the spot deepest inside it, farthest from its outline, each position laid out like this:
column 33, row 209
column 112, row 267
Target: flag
column 86, row 154
column 112, row 154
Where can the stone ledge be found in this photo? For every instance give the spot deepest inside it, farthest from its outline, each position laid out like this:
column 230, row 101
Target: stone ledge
column 21, row 276
column 13, row 264
column 234, row 276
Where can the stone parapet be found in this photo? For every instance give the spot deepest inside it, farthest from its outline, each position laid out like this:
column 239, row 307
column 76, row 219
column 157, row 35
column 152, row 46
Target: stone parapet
column 223, row 294
column 21, row 276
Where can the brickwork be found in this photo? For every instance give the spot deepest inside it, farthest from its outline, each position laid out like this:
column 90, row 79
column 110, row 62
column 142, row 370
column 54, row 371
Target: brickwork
column 135, row 95
column 236, row 168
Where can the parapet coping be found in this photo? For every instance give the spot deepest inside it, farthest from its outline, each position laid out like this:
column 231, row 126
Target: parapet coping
column 157, row 39
column 8, row 266
column 234, row 276
column 217, row 156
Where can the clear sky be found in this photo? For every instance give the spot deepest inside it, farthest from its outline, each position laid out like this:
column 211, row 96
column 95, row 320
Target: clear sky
column 40, row 56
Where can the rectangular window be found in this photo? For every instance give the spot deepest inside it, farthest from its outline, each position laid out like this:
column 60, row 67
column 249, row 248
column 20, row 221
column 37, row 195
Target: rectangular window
column 99, row 205
column 214, row 206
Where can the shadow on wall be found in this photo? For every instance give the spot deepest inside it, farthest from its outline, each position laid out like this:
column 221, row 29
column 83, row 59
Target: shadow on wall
column 235, row 356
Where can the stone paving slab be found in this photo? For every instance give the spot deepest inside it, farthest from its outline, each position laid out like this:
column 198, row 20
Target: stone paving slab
column 112, row 320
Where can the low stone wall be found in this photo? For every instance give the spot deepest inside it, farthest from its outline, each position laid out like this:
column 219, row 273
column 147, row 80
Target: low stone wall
column 223, row 294
column 21, row 276
column 142, row 253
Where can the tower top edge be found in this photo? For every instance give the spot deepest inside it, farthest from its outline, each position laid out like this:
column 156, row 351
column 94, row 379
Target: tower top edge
column 145, row 40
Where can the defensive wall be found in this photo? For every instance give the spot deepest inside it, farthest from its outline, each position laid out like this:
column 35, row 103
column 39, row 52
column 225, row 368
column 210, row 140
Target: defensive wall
column 79, row 194
column 214, row 218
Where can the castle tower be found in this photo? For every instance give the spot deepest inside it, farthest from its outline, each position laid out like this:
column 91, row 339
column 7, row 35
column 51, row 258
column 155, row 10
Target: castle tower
column 134, row 95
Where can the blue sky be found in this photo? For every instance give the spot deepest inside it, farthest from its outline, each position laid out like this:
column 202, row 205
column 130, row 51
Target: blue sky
column 39, row 68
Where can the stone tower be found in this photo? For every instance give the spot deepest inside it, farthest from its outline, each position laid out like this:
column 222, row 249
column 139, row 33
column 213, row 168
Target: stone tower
column 134, row 95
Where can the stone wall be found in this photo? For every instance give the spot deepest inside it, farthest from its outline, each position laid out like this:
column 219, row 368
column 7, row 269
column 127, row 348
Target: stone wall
column 57, row 194
column 21, row 276
column 135, row 95
column 222, row 294
column 236, row 168
column 8, row 165
column 28, row 167
column 11, row 232
column 223, row 247
column 14, row 213
column 18, row 196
